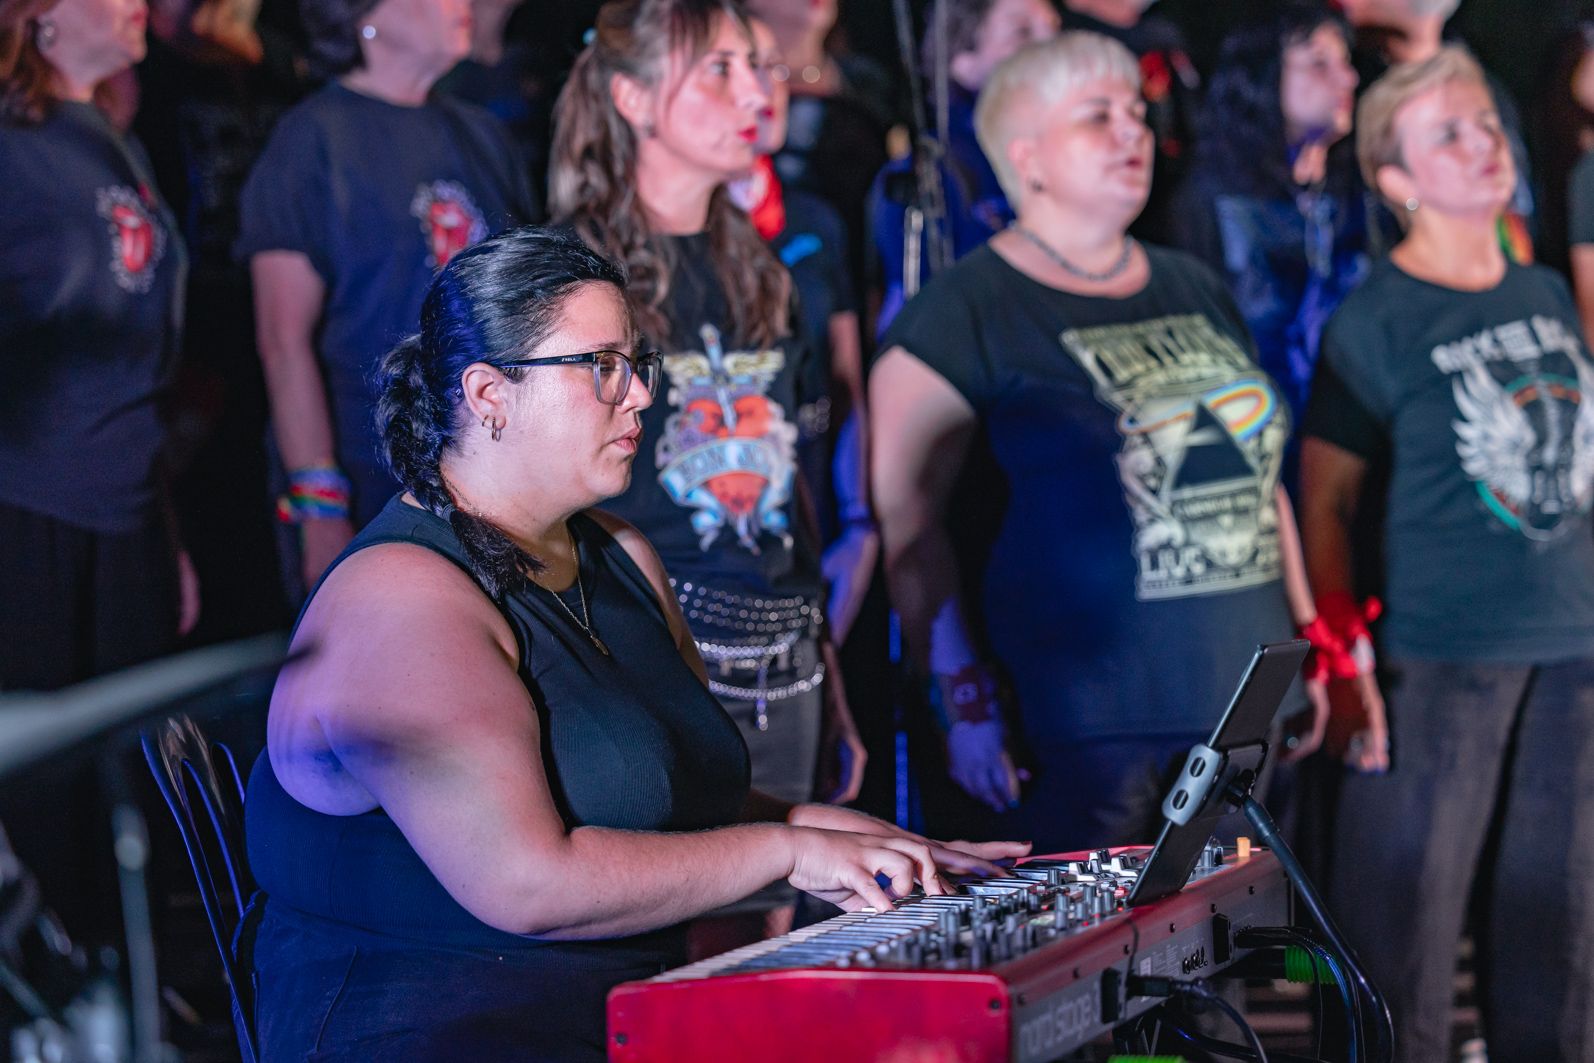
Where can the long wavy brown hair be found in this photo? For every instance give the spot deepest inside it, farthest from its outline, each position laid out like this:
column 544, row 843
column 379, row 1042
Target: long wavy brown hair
column 27, row 81
column 592, row 180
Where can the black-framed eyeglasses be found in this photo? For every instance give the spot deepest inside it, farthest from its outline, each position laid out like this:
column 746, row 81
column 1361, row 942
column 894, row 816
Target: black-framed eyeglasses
column 611, row 371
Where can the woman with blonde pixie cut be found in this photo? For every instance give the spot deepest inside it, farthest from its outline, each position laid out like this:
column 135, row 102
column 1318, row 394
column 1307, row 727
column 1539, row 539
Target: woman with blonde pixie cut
column 1467, row 375
column 1077, row 462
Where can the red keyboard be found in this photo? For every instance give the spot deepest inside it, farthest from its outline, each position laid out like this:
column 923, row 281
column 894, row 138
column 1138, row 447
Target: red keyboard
column 1027, row 969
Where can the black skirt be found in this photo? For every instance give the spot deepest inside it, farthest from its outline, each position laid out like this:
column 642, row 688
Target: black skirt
column 327, row 991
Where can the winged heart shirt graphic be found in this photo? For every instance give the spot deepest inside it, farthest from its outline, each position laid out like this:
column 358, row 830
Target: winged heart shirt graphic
column 1202, row 436
column 728, row 452
column 1524, row 432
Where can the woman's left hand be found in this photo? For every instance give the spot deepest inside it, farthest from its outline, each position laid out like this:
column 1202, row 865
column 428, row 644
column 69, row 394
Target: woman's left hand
column 842, row 759
column 848, row 566
column 841, row 752
column 959, row 857
column 187, row 594
column 1297, row 746
column 1368, row 752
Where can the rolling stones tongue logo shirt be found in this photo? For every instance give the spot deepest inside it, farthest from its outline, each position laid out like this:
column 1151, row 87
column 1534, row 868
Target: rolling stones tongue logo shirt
column 137, row 240
column 449, row 220
column 1118, row 502
column 1483, row 404
column 378, row 197
column 91, row 275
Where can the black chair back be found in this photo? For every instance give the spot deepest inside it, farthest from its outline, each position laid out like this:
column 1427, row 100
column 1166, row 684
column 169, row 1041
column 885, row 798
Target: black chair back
column 205, row 791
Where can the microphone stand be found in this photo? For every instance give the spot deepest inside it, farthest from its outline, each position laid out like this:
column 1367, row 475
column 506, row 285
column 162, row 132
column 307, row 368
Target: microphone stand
column 925, row 239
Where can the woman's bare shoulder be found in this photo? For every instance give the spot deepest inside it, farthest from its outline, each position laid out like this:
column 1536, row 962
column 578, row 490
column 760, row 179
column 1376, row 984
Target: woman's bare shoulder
column 647, row 559
column 393, row 637
column 634, row 543
column 399, row 585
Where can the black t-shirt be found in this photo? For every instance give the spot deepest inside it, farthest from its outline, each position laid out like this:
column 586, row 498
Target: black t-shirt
column 1580, row 202
column 834, row 147
column 377, row 197
column 1115, row 520
column 1478, row 399
column 714, row 484
column 519, row 91
column 813, row 247
column 205, row 126
column 91, row 275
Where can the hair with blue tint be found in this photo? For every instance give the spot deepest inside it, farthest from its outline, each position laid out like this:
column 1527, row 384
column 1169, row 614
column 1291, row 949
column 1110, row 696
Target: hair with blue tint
column 494, row 302
column 1243, row 117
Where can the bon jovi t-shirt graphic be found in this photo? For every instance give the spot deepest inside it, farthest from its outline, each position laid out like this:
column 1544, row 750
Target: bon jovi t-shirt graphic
column 728, row 450
column 714, row 487
column 1203, row 436
column 1485, row 400
column 1119, row 495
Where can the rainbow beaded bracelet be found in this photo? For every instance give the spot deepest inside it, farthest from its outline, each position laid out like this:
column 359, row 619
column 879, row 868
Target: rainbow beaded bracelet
column 318, row 492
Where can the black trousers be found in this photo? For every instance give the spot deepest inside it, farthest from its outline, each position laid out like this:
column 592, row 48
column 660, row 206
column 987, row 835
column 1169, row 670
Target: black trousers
column 74, row 604
column 332, row 993
column 1491, row 787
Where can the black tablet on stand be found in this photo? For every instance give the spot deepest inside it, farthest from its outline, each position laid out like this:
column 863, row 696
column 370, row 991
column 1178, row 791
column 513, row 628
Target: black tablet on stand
column 1232, row 758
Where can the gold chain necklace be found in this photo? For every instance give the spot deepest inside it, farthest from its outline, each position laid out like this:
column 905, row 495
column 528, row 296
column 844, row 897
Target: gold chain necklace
column 584, row 621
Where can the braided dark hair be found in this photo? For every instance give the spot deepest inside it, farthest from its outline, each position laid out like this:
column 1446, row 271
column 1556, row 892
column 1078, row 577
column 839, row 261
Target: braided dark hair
column 493, row 302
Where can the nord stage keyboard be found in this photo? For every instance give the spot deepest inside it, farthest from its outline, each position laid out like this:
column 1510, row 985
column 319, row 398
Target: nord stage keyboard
column 1021, row 969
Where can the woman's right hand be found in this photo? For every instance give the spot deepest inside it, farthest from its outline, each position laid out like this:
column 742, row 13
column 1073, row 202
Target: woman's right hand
column 840, row 867
column 979, row 762
column 321, row 540
column 1368, row 749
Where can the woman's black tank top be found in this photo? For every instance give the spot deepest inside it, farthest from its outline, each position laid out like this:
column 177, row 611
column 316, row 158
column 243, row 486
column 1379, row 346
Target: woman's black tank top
column 631, row 741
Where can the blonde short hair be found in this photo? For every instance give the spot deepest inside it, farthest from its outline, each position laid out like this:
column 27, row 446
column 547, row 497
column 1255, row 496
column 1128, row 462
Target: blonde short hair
column 1377, row 139
column 1041, row 74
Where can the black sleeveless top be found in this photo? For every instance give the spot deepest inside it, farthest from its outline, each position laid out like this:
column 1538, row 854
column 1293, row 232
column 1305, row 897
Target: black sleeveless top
column 632, row 741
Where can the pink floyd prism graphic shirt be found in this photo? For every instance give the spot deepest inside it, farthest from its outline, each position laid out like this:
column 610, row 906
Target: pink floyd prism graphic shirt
column 1119, row 498
column 714, row 485
column 1483, row 404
